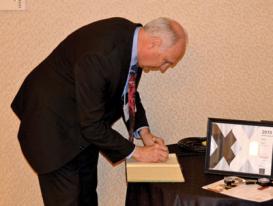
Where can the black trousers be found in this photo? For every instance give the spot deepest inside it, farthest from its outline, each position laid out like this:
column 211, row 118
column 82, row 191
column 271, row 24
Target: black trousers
column 74, row 184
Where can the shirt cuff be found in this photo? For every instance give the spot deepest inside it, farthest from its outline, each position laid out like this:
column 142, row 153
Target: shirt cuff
column 136, row 133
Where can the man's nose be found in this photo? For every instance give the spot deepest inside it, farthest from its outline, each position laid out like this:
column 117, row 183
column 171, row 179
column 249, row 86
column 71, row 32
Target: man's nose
column 164, row 69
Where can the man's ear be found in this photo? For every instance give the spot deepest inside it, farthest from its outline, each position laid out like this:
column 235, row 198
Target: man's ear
column 155, row 42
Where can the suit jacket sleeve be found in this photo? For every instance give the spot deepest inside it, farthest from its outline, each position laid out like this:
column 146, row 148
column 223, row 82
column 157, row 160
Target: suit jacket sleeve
column 91, row 85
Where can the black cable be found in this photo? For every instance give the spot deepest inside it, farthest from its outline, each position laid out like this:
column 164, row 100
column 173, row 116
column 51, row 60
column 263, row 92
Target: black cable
column 193, row 144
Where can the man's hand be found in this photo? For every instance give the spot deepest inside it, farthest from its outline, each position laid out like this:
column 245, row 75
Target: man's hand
column 152, row 153
column 154, row 149
column 149, row 139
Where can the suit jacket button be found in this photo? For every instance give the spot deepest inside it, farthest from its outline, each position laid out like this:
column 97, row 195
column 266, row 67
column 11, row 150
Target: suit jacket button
column 82, row 148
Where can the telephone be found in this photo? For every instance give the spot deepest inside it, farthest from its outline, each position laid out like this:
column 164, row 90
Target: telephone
column 193, row 144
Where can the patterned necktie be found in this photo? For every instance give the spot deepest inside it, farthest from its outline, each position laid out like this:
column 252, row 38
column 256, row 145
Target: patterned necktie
column 131, row 100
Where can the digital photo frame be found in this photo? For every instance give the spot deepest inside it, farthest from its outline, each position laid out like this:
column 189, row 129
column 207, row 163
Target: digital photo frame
column 239, row 147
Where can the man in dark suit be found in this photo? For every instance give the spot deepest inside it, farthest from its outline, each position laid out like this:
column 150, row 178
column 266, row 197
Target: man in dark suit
column 69, row 102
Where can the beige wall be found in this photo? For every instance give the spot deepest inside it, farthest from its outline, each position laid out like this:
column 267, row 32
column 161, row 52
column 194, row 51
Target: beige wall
column 227, row 72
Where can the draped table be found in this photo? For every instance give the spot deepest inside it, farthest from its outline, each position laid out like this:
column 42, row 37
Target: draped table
column 189, row 193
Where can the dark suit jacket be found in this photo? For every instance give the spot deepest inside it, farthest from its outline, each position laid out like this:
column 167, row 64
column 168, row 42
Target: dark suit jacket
column 73, row 97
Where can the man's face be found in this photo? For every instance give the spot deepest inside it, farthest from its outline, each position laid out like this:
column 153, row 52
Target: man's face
column 158, row 59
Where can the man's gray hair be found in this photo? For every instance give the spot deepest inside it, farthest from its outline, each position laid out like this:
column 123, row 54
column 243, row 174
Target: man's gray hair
column 162, row 27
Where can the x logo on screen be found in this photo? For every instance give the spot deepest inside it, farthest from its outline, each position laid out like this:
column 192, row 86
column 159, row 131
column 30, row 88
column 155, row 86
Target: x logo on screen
column 223, row 146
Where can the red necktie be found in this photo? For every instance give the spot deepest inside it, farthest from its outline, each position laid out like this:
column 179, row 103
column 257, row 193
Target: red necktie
column 131, row 101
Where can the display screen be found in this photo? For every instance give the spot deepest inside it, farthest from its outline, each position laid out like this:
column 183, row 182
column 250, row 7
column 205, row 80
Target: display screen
column 239, row 147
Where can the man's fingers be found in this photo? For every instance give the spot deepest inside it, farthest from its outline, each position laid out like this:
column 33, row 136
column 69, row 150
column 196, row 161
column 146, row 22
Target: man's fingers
column 161, row 147
column 162, row 153
column 164, row 156
column 158, row 140
column 153, row 153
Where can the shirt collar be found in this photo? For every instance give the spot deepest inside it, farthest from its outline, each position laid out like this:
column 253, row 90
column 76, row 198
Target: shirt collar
column 134, row 48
